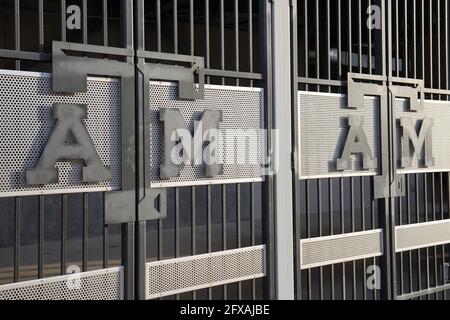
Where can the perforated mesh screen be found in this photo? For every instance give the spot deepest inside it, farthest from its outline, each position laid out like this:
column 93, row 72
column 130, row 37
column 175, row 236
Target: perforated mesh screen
column 105, row 284
column 439, row 111
column 241, row 109
column 173, row 276
column 323, row 131
column 26, row 122
column 421, row 235
column 323, row 251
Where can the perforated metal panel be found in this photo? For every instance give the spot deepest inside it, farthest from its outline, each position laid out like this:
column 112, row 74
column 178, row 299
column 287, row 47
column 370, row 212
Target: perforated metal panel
column 323, row 131
column 321, row 251
column 241, row 109
column 26, row 122
column 421, row 235
column 439, row 111
column 104, row 284
column 179, row 275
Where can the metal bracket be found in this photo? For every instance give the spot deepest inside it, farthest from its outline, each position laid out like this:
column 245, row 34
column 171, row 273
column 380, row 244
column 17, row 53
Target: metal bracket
column 411, row 93
column 183, row 75
column 152, row 201
column 70, row 76
column 359, row 86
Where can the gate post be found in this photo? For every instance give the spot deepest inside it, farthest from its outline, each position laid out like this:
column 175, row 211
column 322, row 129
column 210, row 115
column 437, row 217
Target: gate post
column 282, row 117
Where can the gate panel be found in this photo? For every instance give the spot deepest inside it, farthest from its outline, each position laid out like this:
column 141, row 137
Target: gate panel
column 419, row 44
column 336, row 212
column 45, row 237
column 215, row 218
column 407, row 56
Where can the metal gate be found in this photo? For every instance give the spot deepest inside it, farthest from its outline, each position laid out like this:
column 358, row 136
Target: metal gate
column 138, row 236
column 385, row 219
column 361, row 77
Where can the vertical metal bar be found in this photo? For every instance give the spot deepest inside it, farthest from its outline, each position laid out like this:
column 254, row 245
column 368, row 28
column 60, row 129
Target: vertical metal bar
column 341, row 191
column 208, row 55
column 252, row 229
column 236, row 36
column 177, row 226
column 433, row 205
column 268, row 187
column 406, row 39
column 63, row 20
column 224, row 228
column 177, row 222
column 64, row 213
column 105, row 23
column 308, row 232
column 85, row 231
column 317, row 44
column 238, row 229
column 208, row 232
column 306, row 43
column 191, row 22
column 383, row 39
column 447, row 69
column 250, row 41
column 431, row 50
column 17, row 212
column 85, row 33
column 105, row 246
column 41, row 25
column 222, row 38
column 160, row 239
column 418, row 220
column 350, row 63
column 41, row 237
column 363, row 222
column 408, row 206
column 441, row 188
column 359, row 37
column 158, row 23
column 319, row 213
column 439, row 45
column 426, row 220
column 423, row 41
column 128, row 257
column 372, row 224
column 328, row 44
column 141, row 259
column 369, row 31
column 397, row 47
column 330, row 201
column 400, row 210
column 352, row 205
column 194, row 229
column 17, row 29
column 283, row 204
column 414, row 23
column 339, row 40
column 175, row 27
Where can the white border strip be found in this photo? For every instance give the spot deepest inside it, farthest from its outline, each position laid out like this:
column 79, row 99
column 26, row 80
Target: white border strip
column 199, row 257
column 419, row 225
column 340, row 236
